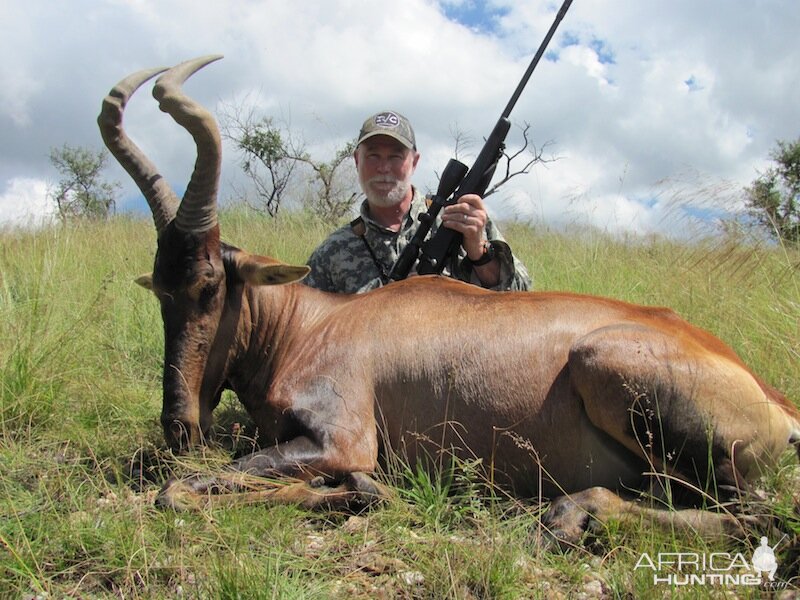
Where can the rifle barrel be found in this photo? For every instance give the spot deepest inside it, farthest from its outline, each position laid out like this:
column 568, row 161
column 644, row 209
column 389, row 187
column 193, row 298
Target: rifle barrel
column 542, row 47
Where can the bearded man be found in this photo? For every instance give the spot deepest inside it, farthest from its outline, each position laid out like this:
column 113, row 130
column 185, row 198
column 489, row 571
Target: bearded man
column 359, row 256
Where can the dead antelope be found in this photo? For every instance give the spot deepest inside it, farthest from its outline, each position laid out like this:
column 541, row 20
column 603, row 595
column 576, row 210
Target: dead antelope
column 558, row 394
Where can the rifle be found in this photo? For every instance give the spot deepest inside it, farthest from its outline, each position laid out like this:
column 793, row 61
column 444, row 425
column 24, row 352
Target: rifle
column 457, row 180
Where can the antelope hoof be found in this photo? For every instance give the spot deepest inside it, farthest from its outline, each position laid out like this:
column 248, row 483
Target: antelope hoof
column 570, row 517
column 564, row 524
column 179, row 496
column 366, row 490
column 192, row 492
column 356, row 491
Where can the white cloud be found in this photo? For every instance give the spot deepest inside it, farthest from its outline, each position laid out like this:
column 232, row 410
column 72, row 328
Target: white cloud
column 24, row 203
column 643, row 91
column 589, row 61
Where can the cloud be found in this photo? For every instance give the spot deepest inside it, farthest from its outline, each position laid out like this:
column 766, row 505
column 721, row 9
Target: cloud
column 25, row 204
column 642, row 91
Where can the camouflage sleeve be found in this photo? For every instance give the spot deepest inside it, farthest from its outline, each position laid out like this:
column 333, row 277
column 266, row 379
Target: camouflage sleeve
column 513, row 274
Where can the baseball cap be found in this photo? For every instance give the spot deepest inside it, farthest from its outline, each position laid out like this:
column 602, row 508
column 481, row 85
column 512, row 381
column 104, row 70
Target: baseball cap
column 388, row 123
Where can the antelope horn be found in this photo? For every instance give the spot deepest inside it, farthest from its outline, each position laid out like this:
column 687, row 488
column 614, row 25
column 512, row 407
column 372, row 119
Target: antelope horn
column 198, row 209
column 162, row 200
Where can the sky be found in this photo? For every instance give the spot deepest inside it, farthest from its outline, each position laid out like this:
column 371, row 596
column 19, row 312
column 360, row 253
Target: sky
column 653, row 114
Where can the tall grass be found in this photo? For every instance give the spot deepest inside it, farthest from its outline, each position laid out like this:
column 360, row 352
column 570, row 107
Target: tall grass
column 81, row 461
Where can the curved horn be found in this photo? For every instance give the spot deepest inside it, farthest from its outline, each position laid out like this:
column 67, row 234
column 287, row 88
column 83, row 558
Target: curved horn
column 162, row 200
column 198, row 210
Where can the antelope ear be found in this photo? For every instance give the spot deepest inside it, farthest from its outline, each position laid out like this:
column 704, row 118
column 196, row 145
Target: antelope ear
column 262, row 270
column 276, row 274
column 145, row 280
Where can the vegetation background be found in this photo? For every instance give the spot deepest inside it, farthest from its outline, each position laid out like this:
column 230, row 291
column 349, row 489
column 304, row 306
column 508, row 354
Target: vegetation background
column 81, row 455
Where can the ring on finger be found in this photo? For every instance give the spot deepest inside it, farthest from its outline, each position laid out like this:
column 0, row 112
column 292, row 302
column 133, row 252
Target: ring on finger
column 466, row 217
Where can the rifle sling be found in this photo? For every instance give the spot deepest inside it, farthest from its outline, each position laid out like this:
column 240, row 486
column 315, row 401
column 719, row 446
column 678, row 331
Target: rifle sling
column 359, row 229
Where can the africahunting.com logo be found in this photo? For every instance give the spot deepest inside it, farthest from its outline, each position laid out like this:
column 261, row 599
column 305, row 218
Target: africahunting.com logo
column 714, row 568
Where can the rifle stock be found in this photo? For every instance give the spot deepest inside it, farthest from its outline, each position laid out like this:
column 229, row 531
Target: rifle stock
column 457, row 180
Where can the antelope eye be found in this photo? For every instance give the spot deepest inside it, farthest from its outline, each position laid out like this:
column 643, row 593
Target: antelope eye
column 207, row 293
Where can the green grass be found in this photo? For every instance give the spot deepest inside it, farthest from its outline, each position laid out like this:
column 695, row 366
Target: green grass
column 81, row 457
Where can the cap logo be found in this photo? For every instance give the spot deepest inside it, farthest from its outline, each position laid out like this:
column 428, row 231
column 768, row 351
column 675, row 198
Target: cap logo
column 388, row 123
column 387, row 119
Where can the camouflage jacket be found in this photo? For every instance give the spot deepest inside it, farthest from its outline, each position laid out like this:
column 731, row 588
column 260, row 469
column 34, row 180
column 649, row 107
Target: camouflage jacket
column 351, row 263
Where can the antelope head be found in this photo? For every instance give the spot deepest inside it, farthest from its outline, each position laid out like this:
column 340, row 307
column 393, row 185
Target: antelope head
column 188, row 276
column 198, row 280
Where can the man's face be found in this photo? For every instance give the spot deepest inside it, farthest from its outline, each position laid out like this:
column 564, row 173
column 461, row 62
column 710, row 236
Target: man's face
column 385, row 167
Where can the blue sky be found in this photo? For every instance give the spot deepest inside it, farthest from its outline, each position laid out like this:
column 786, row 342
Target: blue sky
column 482, row 17
column 647, row 99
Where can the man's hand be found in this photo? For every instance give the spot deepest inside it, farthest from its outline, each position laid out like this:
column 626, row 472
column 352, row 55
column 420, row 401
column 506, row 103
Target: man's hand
column 468, row 217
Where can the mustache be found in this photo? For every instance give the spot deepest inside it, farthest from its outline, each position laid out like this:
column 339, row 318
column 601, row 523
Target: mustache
column 383, row 179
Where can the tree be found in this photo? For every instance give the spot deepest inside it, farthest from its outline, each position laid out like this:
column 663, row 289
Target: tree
column 332, row 191
column 773, row 197
column 81, row 193
column 265, row 152
column 275, row 161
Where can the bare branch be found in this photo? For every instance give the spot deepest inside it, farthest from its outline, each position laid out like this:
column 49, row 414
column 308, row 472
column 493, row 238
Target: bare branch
column 462, row 139
column 508, row 166
column 528, row 152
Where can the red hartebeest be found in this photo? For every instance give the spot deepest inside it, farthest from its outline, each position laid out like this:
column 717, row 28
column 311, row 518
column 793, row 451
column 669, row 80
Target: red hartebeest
column 557, row 393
